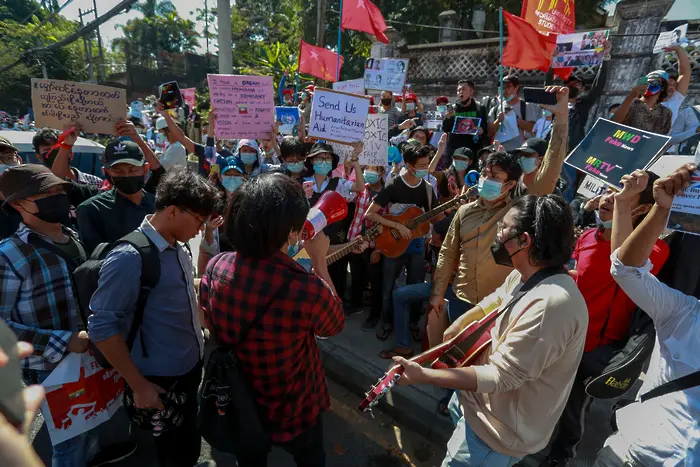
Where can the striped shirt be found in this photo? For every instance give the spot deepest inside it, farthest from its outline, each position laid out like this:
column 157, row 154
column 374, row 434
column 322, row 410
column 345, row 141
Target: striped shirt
column 36, row 298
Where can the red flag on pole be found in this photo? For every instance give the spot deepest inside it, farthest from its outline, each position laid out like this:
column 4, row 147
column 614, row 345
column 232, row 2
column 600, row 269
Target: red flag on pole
column 365, row 16
column 319, row 62
column 527, row 49
column 557, row 16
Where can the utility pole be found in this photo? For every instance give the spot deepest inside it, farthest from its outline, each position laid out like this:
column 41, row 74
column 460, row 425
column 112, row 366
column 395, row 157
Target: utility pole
column 321, row 23
column 223, row 12
column 88, row 47
column 101, row 69
column 43, row 66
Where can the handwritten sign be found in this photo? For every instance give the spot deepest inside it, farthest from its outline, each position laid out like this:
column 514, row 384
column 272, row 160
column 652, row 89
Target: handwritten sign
column 338, row 116
column 289, row 117
column 189, row 96
column 386, row 74
column 669, row 38
column 685, row 210
column 244, row 105
column 579, row 49
column 96, row 108
column 466, row 125
column 611, row 150
column 376, row 139
column 353, row 86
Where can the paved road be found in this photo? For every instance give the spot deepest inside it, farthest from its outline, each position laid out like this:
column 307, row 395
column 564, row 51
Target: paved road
column 351, row 439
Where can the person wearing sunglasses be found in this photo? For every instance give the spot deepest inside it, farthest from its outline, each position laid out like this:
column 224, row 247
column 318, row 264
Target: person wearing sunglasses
column 642, row 107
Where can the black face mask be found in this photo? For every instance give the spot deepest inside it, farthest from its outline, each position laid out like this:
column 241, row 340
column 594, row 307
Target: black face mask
column 500, row 253
column 573, row 91
column 129, row 185
column 53, row 209
column 387, row 101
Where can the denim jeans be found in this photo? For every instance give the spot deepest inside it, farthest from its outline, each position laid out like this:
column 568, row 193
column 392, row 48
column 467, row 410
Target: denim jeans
column 415, row 274
column 75, row 452
column 465, row 449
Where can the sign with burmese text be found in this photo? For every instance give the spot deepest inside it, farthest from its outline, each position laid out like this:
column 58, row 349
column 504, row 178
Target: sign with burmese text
column 611, row 150
column 244, row 105
column 337, row 116
column 95, row 108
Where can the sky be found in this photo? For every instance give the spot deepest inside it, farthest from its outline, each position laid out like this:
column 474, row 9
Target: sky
column 108, row 31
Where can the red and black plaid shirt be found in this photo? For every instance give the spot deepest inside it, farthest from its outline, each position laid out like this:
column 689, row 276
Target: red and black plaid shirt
column 279, row 355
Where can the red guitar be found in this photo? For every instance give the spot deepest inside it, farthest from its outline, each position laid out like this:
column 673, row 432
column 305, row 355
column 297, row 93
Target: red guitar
column 461, row 350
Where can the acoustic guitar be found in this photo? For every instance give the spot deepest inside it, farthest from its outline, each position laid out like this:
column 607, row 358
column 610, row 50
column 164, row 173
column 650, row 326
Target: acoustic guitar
column 303, row 257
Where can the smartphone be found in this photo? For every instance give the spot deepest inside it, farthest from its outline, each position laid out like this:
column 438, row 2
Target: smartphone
column 11, row 387
column 308, row 188
column 642, row 80
column 539, row 96
column 170, row 95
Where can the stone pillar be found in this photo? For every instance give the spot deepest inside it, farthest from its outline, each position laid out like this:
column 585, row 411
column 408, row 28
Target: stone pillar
column 448, row 19
column 631, row 56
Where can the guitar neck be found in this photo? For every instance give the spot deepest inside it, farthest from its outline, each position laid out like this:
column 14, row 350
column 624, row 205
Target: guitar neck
column 437, row 211
column 347, row 249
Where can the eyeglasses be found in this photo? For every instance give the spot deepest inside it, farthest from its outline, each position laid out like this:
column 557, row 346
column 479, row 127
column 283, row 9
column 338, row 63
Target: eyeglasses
column 201, row 220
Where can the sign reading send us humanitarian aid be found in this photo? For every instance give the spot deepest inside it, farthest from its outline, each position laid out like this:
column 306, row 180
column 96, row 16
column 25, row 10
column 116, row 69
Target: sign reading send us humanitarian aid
column 611, row 150
column 338, row 116
column 386, row 74
column 352, row 86
column 95, row 108
column 244, row 105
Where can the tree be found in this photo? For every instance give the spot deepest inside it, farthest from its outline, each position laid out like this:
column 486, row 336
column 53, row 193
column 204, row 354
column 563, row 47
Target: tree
column 208, row 16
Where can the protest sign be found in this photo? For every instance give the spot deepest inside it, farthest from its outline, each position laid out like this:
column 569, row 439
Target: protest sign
column 376, row 139
column 552, row 16
column 685, row 210
column 289, row 117
column 466, row 125
column 80, row 395
column 189, row 96
column 591, row 187
column 353, row 86
column 611, row 150
column 95, row 108
column 386, row 74
column 244, row 106
column 338, row 116
column 509, row 128
column 579, row 49
column 433, row 124
column 669, row 38
column 666, row 165
column 436, row 138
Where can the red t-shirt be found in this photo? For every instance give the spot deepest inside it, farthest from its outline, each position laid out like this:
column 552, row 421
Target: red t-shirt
column 605, row 299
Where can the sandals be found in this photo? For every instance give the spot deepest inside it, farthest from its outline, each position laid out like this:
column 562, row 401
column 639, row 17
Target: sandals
column 391, row 353
column 384, row 332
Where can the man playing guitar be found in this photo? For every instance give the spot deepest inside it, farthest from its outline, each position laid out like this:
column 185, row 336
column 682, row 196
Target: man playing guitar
column 510, row 400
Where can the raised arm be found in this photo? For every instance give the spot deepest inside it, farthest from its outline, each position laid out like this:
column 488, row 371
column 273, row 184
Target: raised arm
column 359, row 185
column 633, row 184
column 442, row 145
column 622, row 111
column 684, row 70
column 127, row 129
column 175, row 130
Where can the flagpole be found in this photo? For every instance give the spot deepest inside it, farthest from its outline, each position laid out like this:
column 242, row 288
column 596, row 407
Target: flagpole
column 340, row 22
column 500, row 62
column 296, row 88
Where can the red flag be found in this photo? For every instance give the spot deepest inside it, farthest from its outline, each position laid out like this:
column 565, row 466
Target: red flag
column 365, row 16
column 527, row 49
column 319, row 62
column 557, row 16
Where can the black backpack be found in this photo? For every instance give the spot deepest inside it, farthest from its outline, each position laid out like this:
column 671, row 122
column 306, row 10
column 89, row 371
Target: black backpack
column 87, row 275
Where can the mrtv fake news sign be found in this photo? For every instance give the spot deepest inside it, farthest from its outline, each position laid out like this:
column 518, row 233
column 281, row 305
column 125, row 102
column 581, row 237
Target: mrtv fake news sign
column 611, row 150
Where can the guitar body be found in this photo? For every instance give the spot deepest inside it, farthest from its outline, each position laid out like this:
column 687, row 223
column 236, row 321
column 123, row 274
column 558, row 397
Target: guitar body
column 390, row 243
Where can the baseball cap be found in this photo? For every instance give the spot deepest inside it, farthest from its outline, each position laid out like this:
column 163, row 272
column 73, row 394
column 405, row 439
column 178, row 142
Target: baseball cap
column 123, row 152
column 26, row 180
column 442, row 99
column 534, row 146
column 464, row 152
column 658, row 74
column 575, row 77
column 512, row 79
column 233, row 163
column 5, row 143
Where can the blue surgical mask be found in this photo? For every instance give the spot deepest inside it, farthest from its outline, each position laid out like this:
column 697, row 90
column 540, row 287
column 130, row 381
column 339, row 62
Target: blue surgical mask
column 371, row 177
column 411, row 106
column 606, row 224
column 295, row 167
column 489, row 190
column 528, row 164
column 611, row 115
column 442, row 109
column 292, row 250
column 161, row 139
column 322, row 168
column 460, row 165
column 421, row 173
column 547, row 113
column 231, row 183
column 248, row 158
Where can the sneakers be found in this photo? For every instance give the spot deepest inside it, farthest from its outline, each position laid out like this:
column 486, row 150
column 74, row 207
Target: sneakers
column 112, row 453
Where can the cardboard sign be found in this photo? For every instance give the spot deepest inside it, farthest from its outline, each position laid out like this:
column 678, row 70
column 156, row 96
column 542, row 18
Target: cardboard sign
column 80, row 395
column 685, row 210
column 669, row 38
column 591, row 187
column 189, row 95
column 338, row 116
column 611, row 150
column 581, row 48
column 386, row 74
column 244, row 105
column 466, row 125
column 289, row 116
column 509, row 127
column 59, row 103
column 376, row 139
column 353, row 86
column 666, row 165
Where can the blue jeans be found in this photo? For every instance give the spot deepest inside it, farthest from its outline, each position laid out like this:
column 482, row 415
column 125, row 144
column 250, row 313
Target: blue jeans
column 415, row 274
column 465, row 449
column 75, row 452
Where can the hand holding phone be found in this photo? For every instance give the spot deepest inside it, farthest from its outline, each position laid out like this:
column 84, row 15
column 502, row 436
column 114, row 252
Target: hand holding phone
column 308, row 188
column 539, row 96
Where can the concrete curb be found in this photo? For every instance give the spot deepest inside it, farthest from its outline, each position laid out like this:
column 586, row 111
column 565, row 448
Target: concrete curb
column 411, row 406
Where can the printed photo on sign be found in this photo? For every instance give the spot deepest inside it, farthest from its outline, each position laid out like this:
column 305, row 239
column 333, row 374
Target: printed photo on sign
column 611, row 150
column 386, row 74
column 580, row 49
column 189, row 95
column 244, row 106
column 96, row 108
column 289, row 117
column 685, row 210
column 337, row 116
column 669, row 38
column 466, row 125
column 353, row 86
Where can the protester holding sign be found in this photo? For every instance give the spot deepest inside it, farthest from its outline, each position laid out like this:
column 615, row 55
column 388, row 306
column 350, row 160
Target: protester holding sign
column 466, row 106
column 678, row 83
